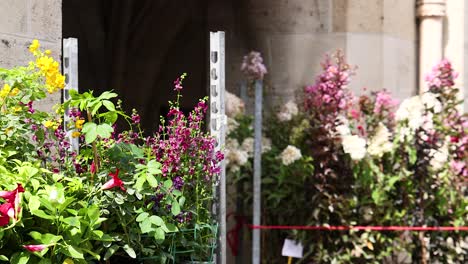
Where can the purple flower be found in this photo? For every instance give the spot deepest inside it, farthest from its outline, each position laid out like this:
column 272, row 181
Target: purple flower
column 253, row 67
column 135, row 118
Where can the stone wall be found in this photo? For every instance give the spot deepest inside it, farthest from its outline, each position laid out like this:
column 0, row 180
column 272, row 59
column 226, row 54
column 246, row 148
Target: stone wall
column 377, row 35
column 21, row 21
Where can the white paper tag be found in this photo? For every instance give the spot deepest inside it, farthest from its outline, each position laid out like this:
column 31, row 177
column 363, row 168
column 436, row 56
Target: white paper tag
column 292, row 248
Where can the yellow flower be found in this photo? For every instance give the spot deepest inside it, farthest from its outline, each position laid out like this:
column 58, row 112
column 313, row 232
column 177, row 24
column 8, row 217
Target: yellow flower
column 75, row 134
column 48, row 123
column 68, row 261
column 5, row 91
column 79, row 123
column 34, row 46
column 14, row 92
column 48, row 52
column 17, row 108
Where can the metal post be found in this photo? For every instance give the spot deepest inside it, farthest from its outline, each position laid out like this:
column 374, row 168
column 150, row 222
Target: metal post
column 218, row 130
column 257, row 178
column 70, row 70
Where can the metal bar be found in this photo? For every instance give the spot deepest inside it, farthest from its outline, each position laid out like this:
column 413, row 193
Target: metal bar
column 257, row 178
column 218, row 131
column 70, row 70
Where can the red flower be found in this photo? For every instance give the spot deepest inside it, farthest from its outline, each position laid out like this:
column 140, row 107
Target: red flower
column 11, row 208
column 6, row 212
column 93, row 168
column 35, row 248
column 114, row 182
column 11, row 196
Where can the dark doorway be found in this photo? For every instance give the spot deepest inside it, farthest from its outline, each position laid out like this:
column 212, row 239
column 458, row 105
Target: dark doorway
column 138, row 48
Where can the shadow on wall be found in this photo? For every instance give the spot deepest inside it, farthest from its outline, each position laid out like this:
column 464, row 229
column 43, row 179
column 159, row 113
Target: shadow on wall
column 138, row 48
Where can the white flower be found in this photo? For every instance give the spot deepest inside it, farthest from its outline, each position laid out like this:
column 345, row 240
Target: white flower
column 380, row 143
column 354, row 146
column 411, row 109
column 290, row 154
column 234, row 105
column 343, row 130
column 439, row 157
column 248, row 145
column 287, row 111
column 234, row 156
column 232, row 125
column 431, row 102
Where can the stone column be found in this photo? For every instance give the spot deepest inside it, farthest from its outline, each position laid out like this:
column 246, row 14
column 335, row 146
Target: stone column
column 431, row 15
column 454, row 40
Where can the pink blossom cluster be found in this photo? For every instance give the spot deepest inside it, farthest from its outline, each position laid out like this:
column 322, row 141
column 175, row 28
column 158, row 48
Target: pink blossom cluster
column 253, row 67
column 384, row 102
column 442, row 75
column 329, row 94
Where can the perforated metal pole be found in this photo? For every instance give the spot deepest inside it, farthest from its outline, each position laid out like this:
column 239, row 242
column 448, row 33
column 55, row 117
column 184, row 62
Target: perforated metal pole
column 257, row 178
column 70, row 70
column 217, row 129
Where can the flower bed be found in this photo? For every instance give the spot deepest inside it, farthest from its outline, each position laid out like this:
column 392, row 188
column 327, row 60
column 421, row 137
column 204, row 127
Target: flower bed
column 335, row 158
column 122, row 196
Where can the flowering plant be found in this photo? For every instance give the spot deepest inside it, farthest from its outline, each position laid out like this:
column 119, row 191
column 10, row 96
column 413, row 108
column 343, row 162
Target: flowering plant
column 375, row 162
column 120, row 196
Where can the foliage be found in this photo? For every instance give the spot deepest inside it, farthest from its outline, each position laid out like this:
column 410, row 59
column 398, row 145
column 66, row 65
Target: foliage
column 122, row 194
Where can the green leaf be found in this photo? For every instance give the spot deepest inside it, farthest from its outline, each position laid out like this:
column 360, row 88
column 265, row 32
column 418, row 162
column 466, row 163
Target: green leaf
column 3, row 258
column 131, row 253
column 168, row 184
column 146, row 226
column 34, row 203
column 156, row 220
column 104, row 130
column 89, row 129
column 182, row 201
column 20, row 258
column 107, row 95
column 171, row 228
column 42, row 214
column 154, row 167
column 159, row 235
column 142, row 217
column 109, row 105
column 152, row 180
column 141, row 179
column 96, row 108
column 111, row 251
column 74, row 252
column 175, row 208
column 72, row 221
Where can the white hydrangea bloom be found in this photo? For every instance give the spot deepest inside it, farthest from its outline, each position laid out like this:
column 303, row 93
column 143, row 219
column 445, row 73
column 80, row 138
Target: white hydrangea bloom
column 411, row 109
column 290, row 154
column 439, row 156
column 380, row 143
column 234, row 105
column 430, row 101
column 342, row 128
column 232, row 125
column 248, row 145
column 355, row 146
column 287, row 111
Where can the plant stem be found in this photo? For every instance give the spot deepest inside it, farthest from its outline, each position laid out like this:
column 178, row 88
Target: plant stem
column 96, row 159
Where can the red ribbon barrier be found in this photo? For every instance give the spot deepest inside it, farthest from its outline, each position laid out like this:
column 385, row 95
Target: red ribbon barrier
column 370, row 228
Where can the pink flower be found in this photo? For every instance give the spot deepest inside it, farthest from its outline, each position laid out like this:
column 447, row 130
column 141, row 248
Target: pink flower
column 114, row 182
column 384, row 101
column 93, row 168
column 6, row 212
column 11, row 208
column 35, row 248
column 11, row 196
column 253, row 67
